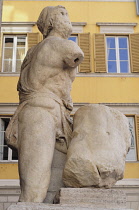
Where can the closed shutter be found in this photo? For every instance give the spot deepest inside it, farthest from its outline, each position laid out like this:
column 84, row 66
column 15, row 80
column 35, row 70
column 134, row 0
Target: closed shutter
column 33, row 39
column 137, row 134
column 1, row 53
column 1, row 138
column 100, row 53
column 134, row 52
column 84, row 43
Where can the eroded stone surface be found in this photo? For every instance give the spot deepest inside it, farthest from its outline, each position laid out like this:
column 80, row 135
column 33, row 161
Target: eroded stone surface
column 57, row 207
column 96, row 156
column 43, row 115
column 99, row 198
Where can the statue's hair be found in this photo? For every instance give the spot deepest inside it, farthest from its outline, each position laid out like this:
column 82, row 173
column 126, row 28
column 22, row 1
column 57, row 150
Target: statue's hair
column 45, row 22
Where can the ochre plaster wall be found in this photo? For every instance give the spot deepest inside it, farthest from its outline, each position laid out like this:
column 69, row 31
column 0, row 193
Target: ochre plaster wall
column 10, row 170
column 85, row 89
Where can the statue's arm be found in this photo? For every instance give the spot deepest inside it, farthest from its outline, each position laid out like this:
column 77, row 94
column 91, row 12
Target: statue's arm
column 73, row 55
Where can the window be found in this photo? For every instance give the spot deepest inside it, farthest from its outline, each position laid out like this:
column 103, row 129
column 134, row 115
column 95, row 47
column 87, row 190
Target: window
column 73, row 38
column 117, row 54
column 131, row 156
column 112, row 53
column 6, row 154
column 14, row 48
column 83, row 40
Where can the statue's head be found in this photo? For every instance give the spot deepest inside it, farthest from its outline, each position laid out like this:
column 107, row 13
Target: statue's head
column 56, row 19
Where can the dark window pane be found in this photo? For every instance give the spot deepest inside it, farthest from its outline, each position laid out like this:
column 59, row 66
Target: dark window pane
column 123, row 54
column 14, row 155
column 110, row 42
column 5, row 153
column 124, row 67
column 112, row 68
column 21, row 41
column 111, row 54
column 73, row 38
column 9, row 42
column 7, row 67
column 122, row 42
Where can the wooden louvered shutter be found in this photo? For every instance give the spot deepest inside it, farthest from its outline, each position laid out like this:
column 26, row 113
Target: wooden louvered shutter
column 84, row 43
column 33, row 39
column 137, row 134
column 134, row 52
column 100, row 53
column 1, row 55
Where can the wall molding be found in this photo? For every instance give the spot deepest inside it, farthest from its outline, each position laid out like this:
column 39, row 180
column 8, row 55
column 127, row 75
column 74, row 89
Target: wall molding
column 34, row 23
column 82, row 0
column 107, row 75
column 8, row 108
column 3, row 74
column 121, row 183
column 125, row 108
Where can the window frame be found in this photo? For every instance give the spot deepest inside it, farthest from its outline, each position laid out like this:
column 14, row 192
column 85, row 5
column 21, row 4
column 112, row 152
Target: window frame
column 77, row 40
column 116, row 36
column 14, row 57
column 135, row 135
column 9, row 149
column 137, row 7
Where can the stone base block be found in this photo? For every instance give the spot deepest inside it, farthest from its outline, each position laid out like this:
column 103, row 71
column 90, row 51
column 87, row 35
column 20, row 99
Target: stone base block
column 39, row 206
column 80, row 199
column 98, row 198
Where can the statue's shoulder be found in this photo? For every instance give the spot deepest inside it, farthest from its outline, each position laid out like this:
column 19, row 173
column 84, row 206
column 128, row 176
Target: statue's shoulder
column 57, row 40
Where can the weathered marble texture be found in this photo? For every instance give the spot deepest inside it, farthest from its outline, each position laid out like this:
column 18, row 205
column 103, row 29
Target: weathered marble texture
column 43, row 116
column 101, row 140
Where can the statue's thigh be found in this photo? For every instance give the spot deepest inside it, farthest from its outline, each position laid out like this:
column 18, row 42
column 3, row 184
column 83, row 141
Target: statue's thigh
column 36, row 131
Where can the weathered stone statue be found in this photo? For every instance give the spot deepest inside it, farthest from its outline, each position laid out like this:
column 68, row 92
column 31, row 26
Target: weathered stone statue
column 43, row 115
column 96, row 155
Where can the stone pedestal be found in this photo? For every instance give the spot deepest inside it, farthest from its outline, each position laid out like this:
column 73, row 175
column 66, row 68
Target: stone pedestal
column 80, row 199
column 32, row 206
column 98, row 198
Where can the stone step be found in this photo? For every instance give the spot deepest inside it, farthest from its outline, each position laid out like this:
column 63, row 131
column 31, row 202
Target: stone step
column 41, row 206
column 100, row 198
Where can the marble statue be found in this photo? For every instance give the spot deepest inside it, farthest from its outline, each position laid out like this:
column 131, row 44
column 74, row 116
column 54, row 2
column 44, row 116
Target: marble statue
column 97, row 152
column 43, row 116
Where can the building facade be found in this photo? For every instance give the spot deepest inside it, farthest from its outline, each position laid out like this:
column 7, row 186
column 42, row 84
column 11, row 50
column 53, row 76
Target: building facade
column 108, row 33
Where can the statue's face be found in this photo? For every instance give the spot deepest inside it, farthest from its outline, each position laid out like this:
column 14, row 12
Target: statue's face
column 61, row 22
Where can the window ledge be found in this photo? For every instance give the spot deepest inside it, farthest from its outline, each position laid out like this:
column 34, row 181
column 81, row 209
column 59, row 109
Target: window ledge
column 78, row 23
column 115, row 24
column 8, row 161
column 2, row 74
column 18, row 23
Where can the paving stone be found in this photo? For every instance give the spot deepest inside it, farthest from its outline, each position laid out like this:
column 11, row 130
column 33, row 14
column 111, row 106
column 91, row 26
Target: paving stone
column 6, row 205
column 1, row 206
column 135, row 205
